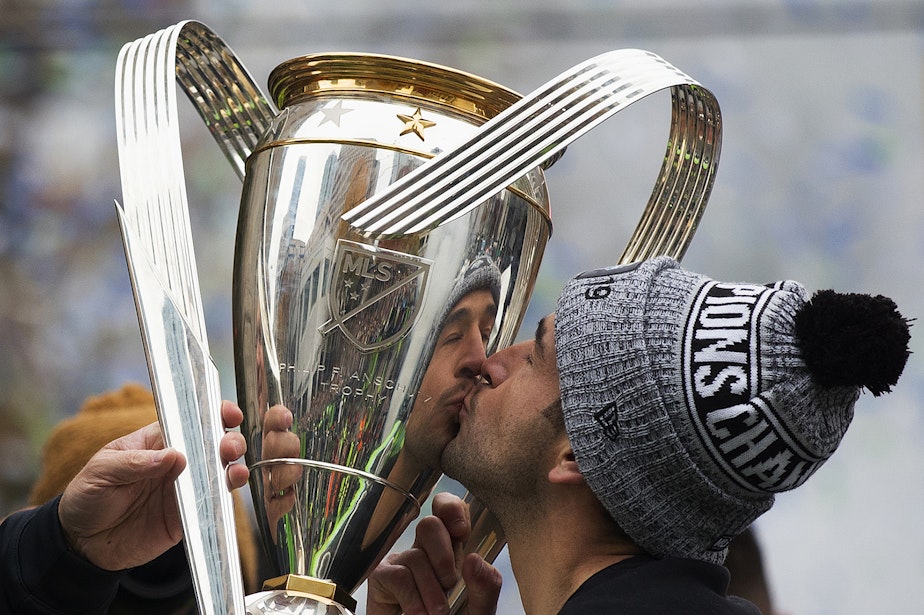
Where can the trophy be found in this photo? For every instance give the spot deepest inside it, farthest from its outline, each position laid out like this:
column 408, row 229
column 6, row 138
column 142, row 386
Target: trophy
column 379, row 193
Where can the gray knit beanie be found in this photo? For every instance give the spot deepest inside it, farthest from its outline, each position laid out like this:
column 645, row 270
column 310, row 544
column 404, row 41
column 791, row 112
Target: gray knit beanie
column 479, row 274
column 689, row 402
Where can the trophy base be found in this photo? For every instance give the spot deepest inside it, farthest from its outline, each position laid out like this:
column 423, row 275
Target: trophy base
column 300, row 595
column 281, row 601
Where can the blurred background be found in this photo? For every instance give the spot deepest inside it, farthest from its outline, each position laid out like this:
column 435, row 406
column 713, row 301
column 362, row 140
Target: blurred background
column 820, row 180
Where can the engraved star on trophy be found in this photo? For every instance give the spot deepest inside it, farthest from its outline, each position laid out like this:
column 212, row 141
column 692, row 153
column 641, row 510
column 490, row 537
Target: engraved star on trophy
column 367, row 197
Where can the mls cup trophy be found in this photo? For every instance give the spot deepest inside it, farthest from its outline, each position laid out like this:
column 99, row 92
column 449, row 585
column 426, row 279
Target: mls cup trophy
column 380, row 192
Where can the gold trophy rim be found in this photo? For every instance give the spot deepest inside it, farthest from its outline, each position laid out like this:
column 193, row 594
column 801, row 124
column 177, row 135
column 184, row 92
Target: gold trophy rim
column 370, row 74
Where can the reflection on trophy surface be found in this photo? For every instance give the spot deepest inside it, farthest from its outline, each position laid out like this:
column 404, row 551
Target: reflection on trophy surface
column 392, row 222
column 459, row 348
column 461, row 338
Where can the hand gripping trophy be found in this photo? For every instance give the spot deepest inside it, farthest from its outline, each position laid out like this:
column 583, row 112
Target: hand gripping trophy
column 382, row 193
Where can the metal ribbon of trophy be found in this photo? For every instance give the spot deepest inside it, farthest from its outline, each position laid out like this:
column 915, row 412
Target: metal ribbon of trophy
column 368, row 198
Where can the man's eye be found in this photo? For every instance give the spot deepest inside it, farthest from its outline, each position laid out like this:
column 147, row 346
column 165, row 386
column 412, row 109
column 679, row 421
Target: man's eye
column 451, row 338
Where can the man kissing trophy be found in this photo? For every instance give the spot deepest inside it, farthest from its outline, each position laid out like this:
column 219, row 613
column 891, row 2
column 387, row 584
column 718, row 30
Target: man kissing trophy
column 373, row 187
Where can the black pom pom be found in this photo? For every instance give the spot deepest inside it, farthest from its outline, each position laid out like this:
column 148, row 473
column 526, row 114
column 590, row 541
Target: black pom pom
column 853, row 340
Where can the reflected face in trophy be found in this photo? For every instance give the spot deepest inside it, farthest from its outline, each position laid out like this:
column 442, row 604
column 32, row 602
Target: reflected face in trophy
column 507, row 428
column 456, row 361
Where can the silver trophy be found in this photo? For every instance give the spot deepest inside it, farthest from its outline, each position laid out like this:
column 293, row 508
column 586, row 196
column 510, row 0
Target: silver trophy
column 380, row 195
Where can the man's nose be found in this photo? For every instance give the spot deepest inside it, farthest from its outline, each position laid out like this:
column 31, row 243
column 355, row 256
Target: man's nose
column 496, row 368
column 472, row 357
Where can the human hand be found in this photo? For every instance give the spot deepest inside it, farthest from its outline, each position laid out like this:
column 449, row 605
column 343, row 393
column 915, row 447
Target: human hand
column 279, row 480
column 416, row 581
column 120, row 510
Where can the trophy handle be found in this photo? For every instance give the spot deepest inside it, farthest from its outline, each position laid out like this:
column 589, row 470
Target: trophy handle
column 188, row 399
column 539, row 126
column 228, row 100
column 161, row 261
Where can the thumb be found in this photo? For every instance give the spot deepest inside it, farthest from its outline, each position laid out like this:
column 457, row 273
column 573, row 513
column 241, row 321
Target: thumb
column 454, row 513
column 120, row 467
column 483, row 582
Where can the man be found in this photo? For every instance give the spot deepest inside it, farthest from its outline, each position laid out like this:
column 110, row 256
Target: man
column 652, row 419
column 119, row 512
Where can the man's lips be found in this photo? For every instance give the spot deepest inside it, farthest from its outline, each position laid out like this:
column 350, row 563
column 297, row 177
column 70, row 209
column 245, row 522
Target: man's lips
column 453, row 402
column 467, row 402
column 465, row 399
column 457, row 399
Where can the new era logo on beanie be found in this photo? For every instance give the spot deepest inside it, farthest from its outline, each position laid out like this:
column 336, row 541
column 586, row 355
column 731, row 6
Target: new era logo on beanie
column 690, row 402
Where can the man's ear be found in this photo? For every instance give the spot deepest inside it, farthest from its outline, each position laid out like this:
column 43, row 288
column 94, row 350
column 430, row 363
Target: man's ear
column 566, row 470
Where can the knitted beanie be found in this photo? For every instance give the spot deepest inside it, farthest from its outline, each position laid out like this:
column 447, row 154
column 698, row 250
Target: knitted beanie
column 689, row 402
column 480, row 274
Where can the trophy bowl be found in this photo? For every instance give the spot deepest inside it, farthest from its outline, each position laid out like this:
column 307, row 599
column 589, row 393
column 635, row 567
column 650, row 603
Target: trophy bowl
column 339, row 329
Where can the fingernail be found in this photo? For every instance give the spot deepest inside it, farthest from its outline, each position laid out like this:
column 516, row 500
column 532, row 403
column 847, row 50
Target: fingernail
column 459, row 525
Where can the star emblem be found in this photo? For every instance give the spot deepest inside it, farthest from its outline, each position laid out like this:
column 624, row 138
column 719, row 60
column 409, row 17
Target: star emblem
column 333, row 114
column 415, row 123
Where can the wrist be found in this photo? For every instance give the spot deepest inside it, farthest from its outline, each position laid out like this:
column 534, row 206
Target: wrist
column 54, row 573
column 71, row 540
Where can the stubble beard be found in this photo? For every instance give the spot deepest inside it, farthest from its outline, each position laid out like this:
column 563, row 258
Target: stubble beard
column 506, row 481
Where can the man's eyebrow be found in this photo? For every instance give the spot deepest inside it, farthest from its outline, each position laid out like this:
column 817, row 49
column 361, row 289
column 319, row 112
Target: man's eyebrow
column 459, row 313
column 540, row 334
column 456, row 315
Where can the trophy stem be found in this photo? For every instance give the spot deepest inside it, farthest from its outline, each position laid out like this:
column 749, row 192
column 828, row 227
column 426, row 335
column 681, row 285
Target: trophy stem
column 312, row 510
column 293, row 602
